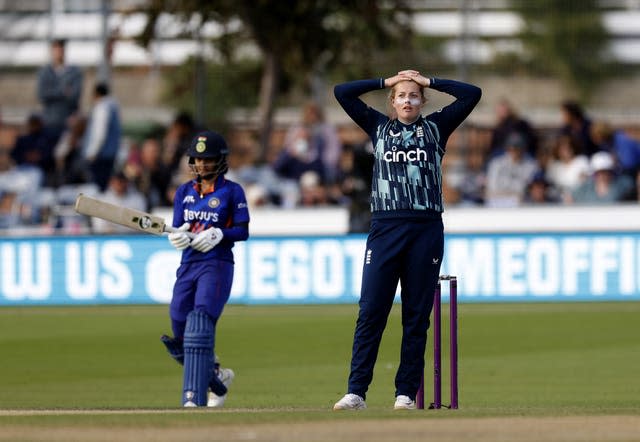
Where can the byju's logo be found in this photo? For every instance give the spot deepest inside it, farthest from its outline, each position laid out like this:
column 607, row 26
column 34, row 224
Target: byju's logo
column 402, row 156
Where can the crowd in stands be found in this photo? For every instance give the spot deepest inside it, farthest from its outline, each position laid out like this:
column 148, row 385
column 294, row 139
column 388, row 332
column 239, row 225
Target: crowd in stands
column 581, row 162
column 63, row 150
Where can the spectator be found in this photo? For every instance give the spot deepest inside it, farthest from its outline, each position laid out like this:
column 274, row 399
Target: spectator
column 568, row 169
column 153, row 176
column 34, row 148
column 508, row 174
column 312, row 191
column 604, row 186
column 121, row 193
column 102, row 137
column 311, row 145
column 540, row 191
column 177, row 140
column 508, row 122
column 68, row 152
column 356, row 172
column 472, row 187
column 625, row 149
column 59, row 89
column 577, row 125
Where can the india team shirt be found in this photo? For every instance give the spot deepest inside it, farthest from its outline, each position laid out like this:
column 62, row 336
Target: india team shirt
column 223, row 208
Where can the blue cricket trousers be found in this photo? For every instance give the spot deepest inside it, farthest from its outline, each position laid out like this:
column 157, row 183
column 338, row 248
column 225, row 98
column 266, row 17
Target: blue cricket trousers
column 409, row 251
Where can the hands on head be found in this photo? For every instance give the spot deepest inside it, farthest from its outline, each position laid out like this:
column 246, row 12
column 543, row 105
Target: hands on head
column 407, row 75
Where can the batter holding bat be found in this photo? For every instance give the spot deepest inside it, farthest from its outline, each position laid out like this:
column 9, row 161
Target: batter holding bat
column 210, row 214
column 406, row 239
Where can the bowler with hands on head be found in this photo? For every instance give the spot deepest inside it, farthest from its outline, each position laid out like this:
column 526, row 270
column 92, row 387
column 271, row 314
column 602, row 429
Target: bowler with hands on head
column 210, row 214
column 406, row 237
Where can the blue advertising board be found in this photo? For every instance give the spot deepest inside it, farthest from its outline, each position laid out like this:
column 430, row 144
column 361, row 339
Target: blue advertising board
column 140, row 269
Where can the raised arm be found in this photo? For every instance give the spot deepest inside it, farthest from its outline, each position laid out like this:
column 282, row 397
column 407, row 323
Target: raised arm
column 348, row 95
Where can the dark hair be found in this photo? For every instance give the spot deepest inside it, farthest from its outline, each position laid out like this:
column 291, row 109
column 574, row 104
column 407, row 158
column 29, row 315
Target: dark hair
column 59, row 42
column 102, row 89
column 573, row 109
column 184, row 118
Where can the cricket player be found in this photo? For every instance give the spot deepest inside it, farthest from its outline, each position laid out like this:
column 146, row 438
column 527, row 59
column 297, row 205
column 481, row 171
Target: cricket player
column 211, row 214
column 406, row 239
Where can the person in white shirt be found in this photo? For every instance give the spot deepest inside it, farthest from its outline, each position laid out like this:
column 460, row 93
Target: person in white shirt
column 509, row 174
column 569, row 168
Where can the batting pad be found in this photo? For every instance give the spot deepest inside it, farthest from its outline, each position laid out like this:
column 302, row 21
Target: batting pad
column 198, row 357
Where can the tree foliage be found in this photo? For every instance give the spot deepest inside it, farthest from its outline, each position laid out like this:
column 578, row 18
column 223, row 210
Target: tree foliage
column 567, row 39
column 296, row 40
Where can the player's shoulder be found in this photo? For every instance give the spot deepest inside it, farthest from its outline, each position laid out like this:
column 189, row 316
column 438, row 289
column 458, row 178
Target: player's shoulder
column 185, row 187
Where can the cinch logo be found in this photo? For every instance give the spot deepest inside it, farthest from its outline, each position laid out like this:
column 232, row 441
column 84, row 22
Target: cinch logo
column 402, row 156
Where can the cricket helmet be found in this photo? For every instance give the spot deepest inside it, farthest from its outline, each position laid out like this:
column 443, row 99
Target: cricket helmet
column 209, row 144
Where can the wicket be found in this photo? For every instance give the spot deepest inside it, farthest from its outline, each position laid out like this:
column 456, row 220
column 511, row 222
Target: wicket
column 437, row 352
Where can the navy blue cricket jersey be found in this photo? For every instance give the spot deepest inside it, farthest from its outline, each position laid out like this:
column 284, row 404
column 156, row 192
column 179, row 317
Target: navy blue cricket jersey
column 225, row 208
column 407, row 172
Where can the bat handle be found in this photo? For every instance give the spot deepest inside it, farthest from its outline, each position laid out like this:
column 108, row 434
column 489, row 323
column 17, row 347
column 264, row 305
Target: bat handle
column 171, row 229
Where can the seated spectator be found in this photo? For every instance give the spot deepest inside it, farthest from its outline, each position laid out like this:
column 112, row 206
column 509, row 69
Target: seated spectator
column 35, row 148
column 604, row 186
column 508, row 174
column 540, row 191
column 312, row 191
column 568, row 168
column 69, row 165
column 302, row 152
column 152, row 177
column 177, row 140
column 625, row 149
column 121, row 193
column 472, row 187
column 577, row 125
column 508, row 122
column 311, row 145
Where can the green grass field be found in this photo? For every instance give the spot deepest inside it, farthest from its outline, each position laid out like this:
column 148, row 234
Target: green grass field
column 80, row 367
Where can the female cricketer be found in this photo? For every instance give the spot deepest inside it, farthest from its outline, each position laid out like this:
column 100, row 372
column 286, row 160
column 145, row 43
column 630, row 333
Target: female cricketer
column 210, row 214
column 406, row 240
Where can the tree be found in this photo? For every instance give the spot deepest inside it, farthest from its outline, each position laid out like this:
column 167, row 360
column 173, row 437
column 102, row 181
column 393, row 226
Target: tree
column 296, row 39
column 565, row 38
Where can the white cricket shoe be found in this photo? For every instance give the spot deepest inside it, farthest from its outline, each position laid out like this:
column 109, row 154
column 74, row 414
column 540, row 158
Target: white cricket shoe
column 350, row 401
column 404, row 403
column 189, row 404
column 226, row 376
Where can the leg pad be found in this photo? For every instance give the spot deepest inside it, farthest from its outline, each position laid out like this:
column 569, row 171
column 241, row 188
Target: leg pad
column 198, row 358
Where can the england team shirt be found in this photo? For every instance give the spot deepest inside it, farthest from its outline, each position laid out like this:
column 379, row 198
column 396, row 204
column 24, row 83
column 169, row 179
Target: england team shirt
column 407, row 171
column 224, row 207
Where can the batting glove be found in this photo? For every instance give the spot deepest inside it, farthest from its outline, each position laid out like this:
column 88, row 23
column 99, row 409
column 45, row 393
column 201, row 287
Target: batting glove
column 207, row 239
column 180, row 240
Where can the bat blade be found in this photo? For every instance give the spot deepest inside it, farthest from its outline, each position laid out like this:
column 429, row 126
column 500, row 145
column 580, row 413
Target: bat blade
column 124, row 216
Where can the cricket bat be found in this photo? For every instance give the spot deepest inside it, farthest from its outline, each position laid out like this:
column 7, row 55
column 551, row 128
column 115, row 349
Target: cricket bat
column 124, row 216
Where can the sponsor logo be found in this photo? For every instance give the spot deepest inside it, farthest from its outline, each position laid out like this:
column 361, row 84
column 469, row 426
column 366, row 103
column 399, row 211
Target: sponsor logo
column 242, row 205
column 197, row 215
column 394, row 134
column 368, row 257
column 213, row 203
column 402, row 156
column 189, row 199
column 436, row 260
